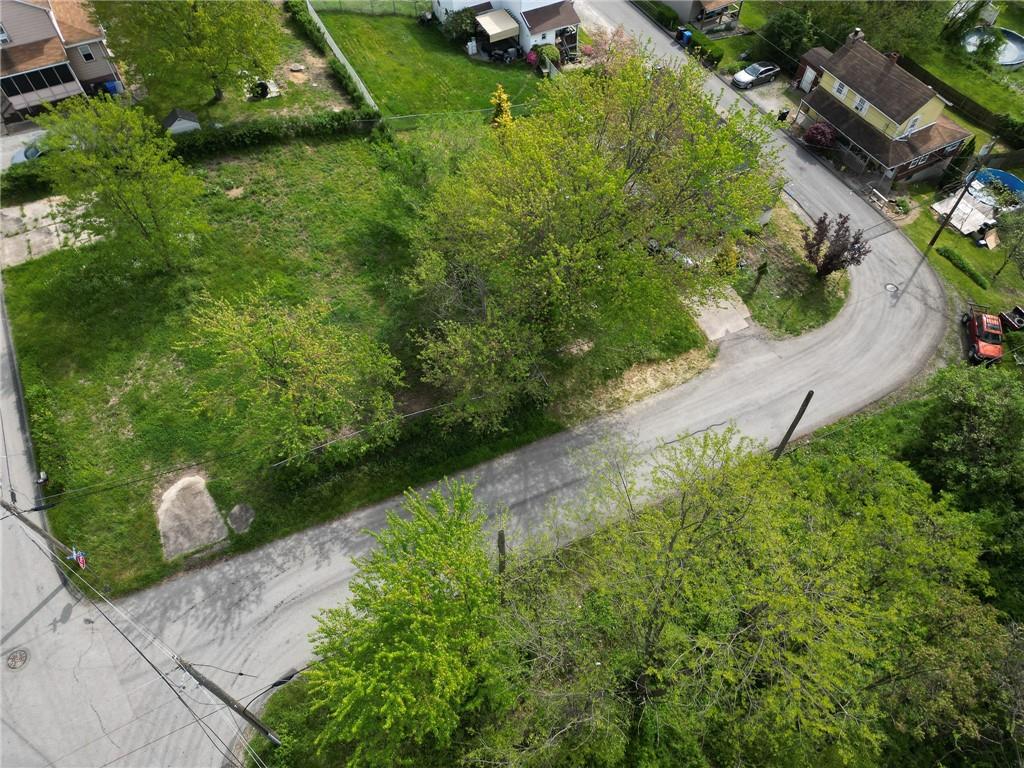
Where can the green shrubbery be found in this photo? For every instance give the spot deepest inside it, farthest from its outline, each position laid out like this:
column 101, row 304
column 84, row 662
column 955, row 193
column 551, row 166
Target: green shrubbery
column 253, row 133
column 549, row 52
column 963, row 265
column 298, row 11
column 22, row 183
column 705, row 48
column 660, row 12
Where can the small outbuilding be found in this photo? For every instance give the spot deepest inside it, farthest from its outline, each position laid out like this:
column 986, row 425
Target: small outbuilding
column 180, row 121
column 811, row 67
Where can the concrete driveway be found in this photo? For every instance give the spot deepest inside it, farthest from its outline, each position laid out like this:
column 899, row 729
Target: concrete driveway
column 86, row 698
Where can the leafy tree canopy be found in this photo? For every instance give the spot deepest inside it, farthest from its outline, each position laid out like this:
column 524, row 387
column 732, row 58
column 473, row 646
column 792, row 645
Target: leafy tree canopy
column 181, row 48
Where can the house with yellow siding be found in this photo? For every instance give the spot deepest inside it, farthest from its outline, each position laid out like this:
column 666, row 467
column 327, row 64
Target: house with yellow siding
column 886, row 120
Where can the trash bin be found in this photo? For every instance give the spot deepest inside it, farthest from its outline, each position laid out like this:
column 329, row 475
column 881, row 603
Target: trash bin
column 686, row 38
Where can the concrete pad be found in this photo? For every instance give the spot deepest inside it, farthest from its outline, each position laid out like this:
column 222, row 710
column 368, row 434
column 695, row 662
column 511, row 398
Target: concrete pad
column 724, row 316
column 33, row 230
column 240, row 517
column 188, row 518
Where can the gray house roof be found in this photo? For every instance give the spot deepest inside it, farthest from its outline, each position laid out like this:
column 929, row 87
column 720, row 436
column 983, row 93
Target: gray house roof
column 177, row 114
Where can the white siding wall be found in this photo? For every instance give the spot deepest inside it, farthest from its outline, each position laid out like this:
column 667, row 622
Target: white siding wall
column 87, row 71
column 25, row 23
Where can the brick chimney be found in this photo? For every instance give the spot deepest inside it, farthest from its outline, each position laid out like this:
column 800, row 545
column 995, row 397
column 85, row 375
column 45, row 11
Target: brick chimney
column 857, row 34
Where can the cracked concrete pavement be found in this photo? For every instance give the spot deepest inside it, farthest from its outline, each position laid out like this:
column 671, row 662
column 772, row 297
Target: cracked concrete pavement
column 85, row 698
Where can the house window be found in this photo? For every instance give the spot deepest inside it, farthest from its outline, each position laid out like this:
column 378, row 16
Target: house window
column 87, row 54
column 34, row 81
column 860, row 105
column 4, row 37
column 920, row 160
column 544, row 36
column 839, row 89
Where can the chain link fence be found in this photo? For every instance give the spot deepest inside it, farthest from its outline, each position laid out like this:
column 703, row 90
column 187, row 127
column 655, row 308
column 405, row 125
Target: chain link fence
column 375, row 7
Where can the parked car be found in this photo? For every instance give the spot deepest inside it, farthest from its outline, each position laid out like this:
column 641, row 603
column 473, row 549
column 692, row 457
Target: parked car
column 26, row 153
column 984, row 335
column 755, row 74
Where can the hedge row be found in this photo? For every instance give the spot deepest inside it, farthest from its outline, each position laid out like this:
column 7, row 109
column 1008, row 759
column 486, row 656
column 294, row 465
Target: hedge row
column 266, row 130
column 963, row 265
column 299, row 12
column 660, row 12
column 705, row 47
column 22, row 183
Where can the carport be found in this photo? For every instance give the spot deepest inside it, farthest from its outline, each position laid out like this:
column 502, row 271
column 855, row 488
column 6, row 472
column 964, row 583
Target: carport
column 500, row 30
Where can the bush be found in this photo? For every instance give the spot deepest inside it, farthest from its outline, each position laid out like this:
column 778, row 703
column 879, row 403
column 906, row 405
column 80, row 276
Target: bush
column 23, row 183
column 902, row 205
column 963, row 265
column 1011, row 130
column 820, row 135
column 660, row 12
column 253, row 133
column 549, row 52
column 298, row 11
column 705, row 48
column 459, row 26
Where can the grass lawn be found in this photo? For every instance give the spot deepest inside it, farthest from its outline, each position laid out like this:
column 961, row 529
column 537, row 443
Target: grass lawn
column 992, row 89
column 313, row 89
column 1007, row 290
column 788, row 298
column 412, row 69
column 109, row 385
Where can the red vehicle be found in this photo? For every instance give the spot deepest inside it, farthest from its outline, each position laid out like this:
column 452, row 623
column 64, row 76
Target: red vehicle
column 984, row 335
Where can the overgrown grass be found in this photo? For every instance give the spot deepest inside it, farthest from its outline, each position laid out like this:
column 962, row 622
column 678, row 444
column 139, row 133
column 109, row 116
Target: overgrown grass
column 1004, row 291
column 318, row 89
column 110, row 386
column 288, row 713
column 788, row 298
column 412, row 69
column 992, row 88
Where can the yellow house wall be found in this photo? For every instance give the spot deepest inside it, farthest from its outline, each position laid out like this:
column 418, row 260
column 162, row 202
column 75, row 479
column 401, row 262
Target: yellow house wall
column 929, row 113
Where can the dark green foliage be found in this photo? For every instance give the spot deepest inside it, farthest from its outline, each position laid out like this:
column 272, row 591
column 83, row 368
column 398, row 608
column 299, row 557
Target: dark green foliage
column 661, row 13
column 708, row 52
column 297, row 8
column 549, row 52
column 268, row 130
column 972, row 446
column 963, row 265
column 459, row 26
column 23, row 183
column 887, row 26
column 1011, row 130
column 785, row 38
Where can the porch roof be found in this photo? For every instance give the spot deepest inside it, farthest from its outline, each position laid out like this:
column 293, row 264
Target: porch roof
column 498, row 24
column 34, row 55
column 548, row 17
column 889, row 153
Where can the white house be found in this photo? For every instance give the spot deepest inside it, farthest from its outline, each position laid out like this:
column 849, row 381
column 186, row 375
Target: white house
column 539, row 22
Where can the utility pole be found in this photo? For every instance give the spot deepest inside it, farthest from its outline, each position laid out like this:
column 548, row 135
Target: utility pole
column 792, row 427
column 200, row 678
column 985, row 152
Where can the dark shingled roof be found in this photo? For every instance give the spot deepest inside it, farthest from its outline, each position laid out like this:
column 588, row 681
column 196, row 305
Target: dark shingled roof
column 553, row 16
column 879, row 79
column 817, row 58
column 179, row 114
column 888, row 152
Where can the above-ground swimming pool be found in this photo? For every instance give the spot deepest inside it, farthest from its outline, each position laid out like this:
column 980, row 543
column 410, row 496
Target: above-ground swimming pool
column 1011, row 52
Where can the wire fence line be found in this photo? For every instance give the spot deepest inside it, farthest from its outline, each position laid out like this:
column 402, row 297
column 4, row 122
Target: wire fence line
column 375, row 7
column 341, row 56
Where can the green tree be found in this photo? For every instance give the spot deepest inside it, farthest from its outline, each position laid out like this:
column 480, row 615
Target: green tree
column 413, row 661
column 541, row 238
column 785, row 37
column 887, row 26
column 502, row 108
column 760, row 613
column 972, row 446
column 180, row 48
column 1011, row 233
column 114, row 166
column 292, row 377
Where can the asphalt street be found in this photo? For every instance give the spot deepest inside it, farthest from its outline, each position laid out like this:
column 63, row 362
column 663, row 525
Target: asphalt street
column 86, row 698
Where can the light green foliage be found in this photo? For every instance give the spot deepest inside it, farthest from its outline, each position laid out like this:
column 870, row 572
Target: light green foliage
column 1011, row 233
column 413, row 660
column 297, row 378
column 113, row 164
column 544, row 230
column 178, row 47
column 783, row 614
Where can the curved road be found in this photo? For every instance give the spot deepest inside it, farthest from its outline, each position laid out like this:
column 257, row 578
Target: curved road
column 85, row 698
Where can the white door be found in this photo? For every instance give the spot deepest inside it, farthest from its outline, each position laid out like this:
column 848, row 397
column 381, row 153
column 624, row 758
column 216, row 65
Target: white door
column 807, row 80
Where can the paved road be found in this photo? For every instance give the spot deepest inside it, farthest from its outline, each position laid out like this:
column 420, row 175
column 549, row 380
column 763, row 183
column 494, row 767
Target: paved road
column 85, row 698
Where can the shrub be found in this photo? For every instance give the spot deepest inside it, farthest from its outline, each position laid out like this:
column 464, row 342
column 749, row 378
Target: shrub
column 253, row 133
column 532, row 58
column 963, row 265
column 820, row 135
column 298, row 11
column 23, row 183
column 459, row 26
column 587, row 50
column 1011, row 130
column 660, row 12
column 705, row 48
column 549, row 52
column 902, row 206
